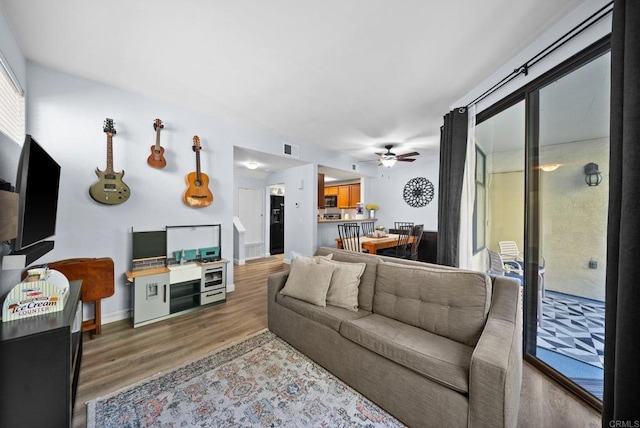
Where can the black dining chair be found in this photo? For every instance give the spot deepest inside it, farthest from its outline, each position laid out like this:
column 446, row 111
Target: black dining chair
column 416, row 232
column 399, row 224
column 367, row 228
column 349, row 234
column 401, row 248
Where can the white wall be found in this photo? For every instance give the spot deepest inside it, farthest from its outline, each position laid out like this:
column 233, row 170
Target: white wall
column 386, row 189
column 589, row 36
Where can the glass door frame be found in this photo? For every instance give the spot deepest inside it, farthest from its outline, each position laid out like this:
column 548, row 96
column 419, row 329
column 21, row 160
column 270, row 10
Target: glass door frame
column 530, row 93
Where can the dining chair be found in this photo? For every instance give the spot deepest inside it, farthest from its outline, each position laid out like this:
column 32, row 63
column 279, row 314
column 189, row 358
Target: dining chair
column 514, row 269
column 367, row 228
column 416, row 232
column 399, row 224
column 400, row 250
column 349, row 234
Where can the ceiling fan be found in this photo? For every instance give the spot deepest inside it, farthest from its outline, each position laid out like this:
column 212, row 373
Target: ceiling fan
column 389, row 159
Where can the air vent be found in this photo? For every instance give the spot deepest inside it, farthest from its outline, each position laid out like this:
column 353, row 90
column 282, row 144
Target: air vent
column 291, row 150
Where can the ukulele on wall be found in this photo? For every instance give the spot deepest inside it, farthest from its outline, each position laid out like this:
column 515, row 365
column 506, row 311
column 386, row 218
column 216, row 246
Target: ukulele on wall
column 110, row 189
column 156, row 158
column 197, row 194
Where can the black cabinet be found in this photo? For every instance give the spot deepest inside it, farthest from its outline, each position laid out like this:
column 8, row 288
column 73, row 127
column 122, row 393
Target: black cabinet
column 39, row 366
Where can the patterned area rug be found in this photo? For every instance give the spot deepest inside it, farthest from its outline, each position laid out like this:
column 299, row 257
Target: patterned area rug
column 261, row 381
column 573, row 328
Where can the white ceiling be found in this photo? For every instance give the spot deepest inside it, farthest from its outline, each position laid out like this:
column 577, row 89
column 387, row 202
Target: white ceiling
column 346, row 75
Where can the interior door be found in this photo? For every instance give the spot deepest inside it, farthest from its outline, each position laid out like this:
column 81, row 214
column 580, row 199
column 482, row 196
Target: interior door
column 251, row 214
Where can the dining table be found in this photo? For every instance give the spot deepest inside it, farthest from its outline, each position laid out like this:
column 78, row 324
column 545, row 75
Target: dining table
column 373, row 244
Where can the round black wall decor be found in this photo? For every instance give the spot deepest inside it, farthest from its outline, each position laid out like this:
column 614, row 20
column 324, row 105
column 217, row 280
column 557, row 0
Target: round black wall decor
column 418, row 192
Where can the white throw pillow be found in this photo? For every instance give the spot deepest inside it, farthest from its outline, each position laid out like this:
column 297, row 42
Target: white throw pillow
column 309, row 282
column 343, row 290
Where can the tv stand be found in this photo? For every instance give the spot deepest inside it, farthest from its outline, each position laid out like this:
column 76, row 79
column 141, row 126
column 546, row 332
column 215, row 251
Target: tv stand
column 34, row 252
column 40, row 366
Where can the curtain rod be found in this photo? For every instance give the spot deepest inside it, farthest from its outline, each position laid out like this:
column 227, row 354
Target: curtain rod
column 569, row 35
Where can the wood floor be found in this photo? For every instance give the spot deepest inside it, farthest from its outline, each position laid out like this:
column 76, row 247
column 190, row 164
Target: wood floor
column 123, row 355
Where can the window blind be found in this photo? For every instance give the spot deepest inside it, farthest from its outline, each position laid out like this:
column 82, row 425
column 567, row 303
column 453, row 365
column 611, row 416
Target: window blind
column 12, row 107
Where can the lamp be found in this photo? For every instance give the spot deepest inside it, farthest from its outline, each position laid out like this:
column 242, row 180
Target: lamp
column 388, row 161
column 252, row 165
column 593, row 177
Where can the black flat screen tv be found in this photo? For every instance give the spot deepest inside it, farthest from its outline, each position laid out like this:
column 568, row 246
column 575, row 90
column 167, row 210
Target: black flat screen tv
column 37, row 183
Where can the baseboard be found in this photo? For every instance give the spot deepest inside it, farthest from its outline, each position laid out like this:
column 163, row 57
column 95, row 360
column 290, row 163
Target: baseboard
column 116, row 316
column 238, row 262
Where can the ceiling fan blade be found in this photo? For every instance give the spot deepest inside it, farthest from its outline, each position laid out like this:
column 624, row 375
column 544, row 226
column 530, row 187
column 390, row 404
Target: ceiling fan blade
column 380, row 154
column 408, row 154
column 405, row 160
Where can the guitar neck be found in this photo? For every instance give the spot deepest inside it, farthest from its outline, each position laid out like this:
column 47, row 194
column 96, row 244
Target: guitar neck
column 198, row 174
column 109, row 152
column 158, row 137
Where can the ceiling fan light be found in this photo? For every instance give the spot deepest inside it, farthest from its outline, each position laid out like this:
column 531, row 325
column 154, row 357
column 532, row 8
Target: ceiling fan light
column 388, row 162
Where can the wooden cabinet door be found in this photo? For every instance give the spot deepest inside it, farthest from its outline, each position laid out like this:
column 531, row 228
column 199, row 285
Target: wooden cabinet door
column 331, row 191
column 321, row 190
column 354, row 195
column 343, row 196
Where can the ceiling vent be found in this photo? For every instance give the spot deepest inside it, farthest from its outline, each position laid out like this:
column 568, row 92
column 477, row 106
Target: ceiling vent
column 291, row 150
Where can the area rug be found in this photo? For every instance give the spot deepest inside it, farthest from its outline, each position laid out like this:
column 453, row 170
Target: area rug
column 261, row 381
column 573, row 328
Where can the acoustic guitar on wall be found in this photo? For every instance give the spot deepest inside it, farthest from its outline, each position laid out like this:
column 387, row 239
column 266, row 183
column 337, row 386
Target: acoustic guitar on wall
column 197, row 194
column 156, row 158
column 110, row 189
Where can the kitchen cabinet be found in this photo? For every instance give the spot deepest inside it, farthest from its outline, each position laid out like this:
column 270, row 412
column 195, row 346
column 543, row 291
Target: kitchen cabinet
column 343, row 196
column 348, row 195
column 321, row 190
column 331, row 191
column 354, row 195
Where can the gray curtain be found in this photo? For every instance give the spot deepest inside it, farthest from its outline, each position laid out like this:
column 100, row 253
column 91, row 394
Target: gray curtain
column 453, row 150
column 622, row 318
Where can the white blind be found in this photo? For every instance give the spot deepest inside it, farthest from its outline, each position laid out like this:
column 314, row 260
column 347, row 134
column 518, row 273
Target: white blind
column 12, row 121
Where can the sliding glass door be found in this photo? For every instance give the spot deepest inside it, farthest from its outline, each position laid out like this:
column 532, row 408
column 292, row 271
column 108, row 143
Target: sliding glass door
column 547, row 151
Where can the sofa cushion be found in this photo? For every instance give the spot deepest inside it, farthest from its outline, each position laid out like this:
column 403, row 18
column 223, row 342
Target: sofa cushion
column 343, row 290
column 435, row 357
column 331, row 316
column 299, row 258
column 309, row 282
column 368, row 278
column 450, row 303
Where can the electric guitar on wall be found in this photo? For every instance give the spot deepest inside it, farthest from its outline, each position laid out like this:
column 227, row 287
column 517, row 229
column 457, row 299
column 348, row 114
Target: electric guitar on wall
column 156, row 158
column 110, row 189
column 197, row 194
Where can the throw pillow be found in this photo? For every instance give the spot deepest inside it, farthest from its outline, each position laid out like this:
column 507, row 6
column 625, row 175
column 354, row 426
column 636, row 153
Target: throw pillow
column 300, row 259
column 343, row 290
column 309, row 282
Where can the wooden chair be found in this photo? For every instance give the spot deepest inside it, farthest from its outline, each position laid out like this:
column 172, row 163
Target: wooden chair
column 367, row 227
column 401, row 248
column 349, row 234
column 417, row 236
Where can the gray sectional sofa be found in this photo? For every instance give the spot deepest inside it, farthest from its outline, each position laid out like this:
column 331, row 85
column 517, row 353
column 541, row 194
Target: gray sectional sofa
column 433, row 346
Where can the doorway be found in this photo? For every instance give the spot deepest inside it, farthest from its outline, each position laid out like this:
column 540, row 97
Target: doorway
column 251, row 214
column 276, row 219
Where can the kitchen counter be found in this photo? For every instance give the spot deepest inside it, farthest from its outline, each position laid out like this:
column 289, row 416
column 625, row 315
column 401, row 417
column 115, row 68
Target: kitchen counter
column 348, row 220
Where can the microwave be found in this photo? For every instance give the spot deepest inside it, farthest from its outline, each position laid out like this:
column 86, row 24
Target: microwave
column 331, row 201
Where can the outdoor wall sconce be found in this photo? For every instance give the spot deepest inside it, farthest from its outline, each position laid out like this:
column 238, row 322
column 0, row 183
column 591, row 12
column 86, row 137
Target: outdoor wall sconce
column 593, row 177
